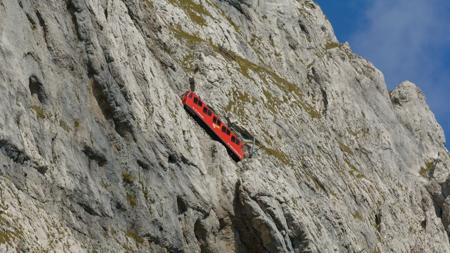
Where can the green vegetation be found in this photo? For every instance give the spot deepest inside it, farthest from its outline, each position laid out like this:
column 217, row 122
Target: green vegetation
column 272, row 101
column 131, row 198
column 187, row 62
column 190, row 39
column 127, row 177
column 278, row 154
column 105, row 184
column 133, row 235
column 194, row 11
column 357, row 216
column 354, row 171
column 331, row 45
column 317, row 183
column 236, row 28
column 7, row 236
column 244, row 64
column 266, row 74
column 426, row 171
column 64, row 125
column 346, row 149
column 309, row 4
column 245, row 67
column 39, row 111
column 145, row 191
column 313, row 113
column 76, row 123
column 255, row 40
column 237, row 102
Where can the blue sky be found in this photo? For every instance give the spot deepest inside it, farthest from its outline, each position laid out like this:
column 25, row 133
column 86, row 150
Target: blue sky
column 405, row 39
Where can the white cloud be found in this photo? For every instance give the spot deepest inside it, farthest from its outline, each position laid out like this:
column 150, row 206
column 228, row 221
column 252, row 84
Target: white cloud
column 403, row 37
column 410, row 40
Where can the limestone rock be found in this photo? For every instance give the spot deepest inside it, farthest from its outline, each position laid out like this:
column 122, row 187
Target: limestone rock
column 97, row 153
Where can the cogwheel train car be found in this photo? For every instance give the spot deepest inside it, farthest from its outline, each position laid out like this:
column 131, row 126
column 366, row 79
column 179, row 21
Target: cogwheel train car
column 199, row 109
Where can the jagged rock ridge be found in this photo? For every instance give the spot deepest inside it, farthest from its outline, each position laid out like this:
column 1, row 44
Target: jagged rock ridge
column 98, row 155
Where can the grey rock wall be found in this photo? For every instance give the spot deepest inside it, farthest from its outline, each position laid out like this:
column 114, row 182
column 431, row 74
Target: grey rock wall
column 97, row 153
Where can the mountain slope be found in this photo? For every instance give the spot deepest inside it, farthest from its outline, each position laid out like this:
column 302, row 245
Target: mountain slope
column 98, row 154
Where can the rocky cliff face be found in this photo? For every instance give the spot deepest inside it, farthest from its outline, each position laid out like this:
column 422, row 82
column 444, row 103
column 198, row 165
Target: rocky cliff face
column 98, row 155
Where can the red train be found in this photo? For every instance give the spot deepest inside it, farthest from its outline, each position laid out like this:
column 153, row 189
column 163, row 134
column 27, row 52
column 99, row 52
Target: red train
column 199, row 109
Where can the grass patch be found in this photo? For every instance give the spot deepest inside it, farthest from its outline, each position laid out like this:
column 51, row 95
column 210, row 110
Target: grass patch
column 191, row 39
column 255, row 41
column 8, row 236
column 64, row 125
column 310, row 5
column 131, row 198
column 133, row 235
column 146, row 193
column 187, row 62
column 127, row 178
column 346, row 149
column 357, row 216
column 196, row 12
column 237, row 102
column 39, row 111
column 76, row 123
column 246, row 66
column 331, row 45
column 272, row 101
column 235, row 27
column 318, row 184
column 354, row 171
column 278, row 154
column 426, row 171
column 313, row 113
column 267, row 74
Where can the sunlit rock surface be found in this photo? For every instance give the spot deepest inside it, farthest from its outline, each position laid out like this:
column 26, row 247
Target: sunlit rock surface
column 97, row 153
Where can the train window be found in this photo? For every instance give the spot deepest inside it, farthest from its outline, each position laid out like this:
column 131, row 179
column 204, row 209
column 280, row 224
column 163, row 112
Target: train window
column 200, row 103
column 233, row 139
column 238, row 141
column 224, row 129
column 205, row 110
column 209, row 113
column 228, row 132
column 215, row 120
column 219, row 122
column 196, row 100
column 190, row 95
